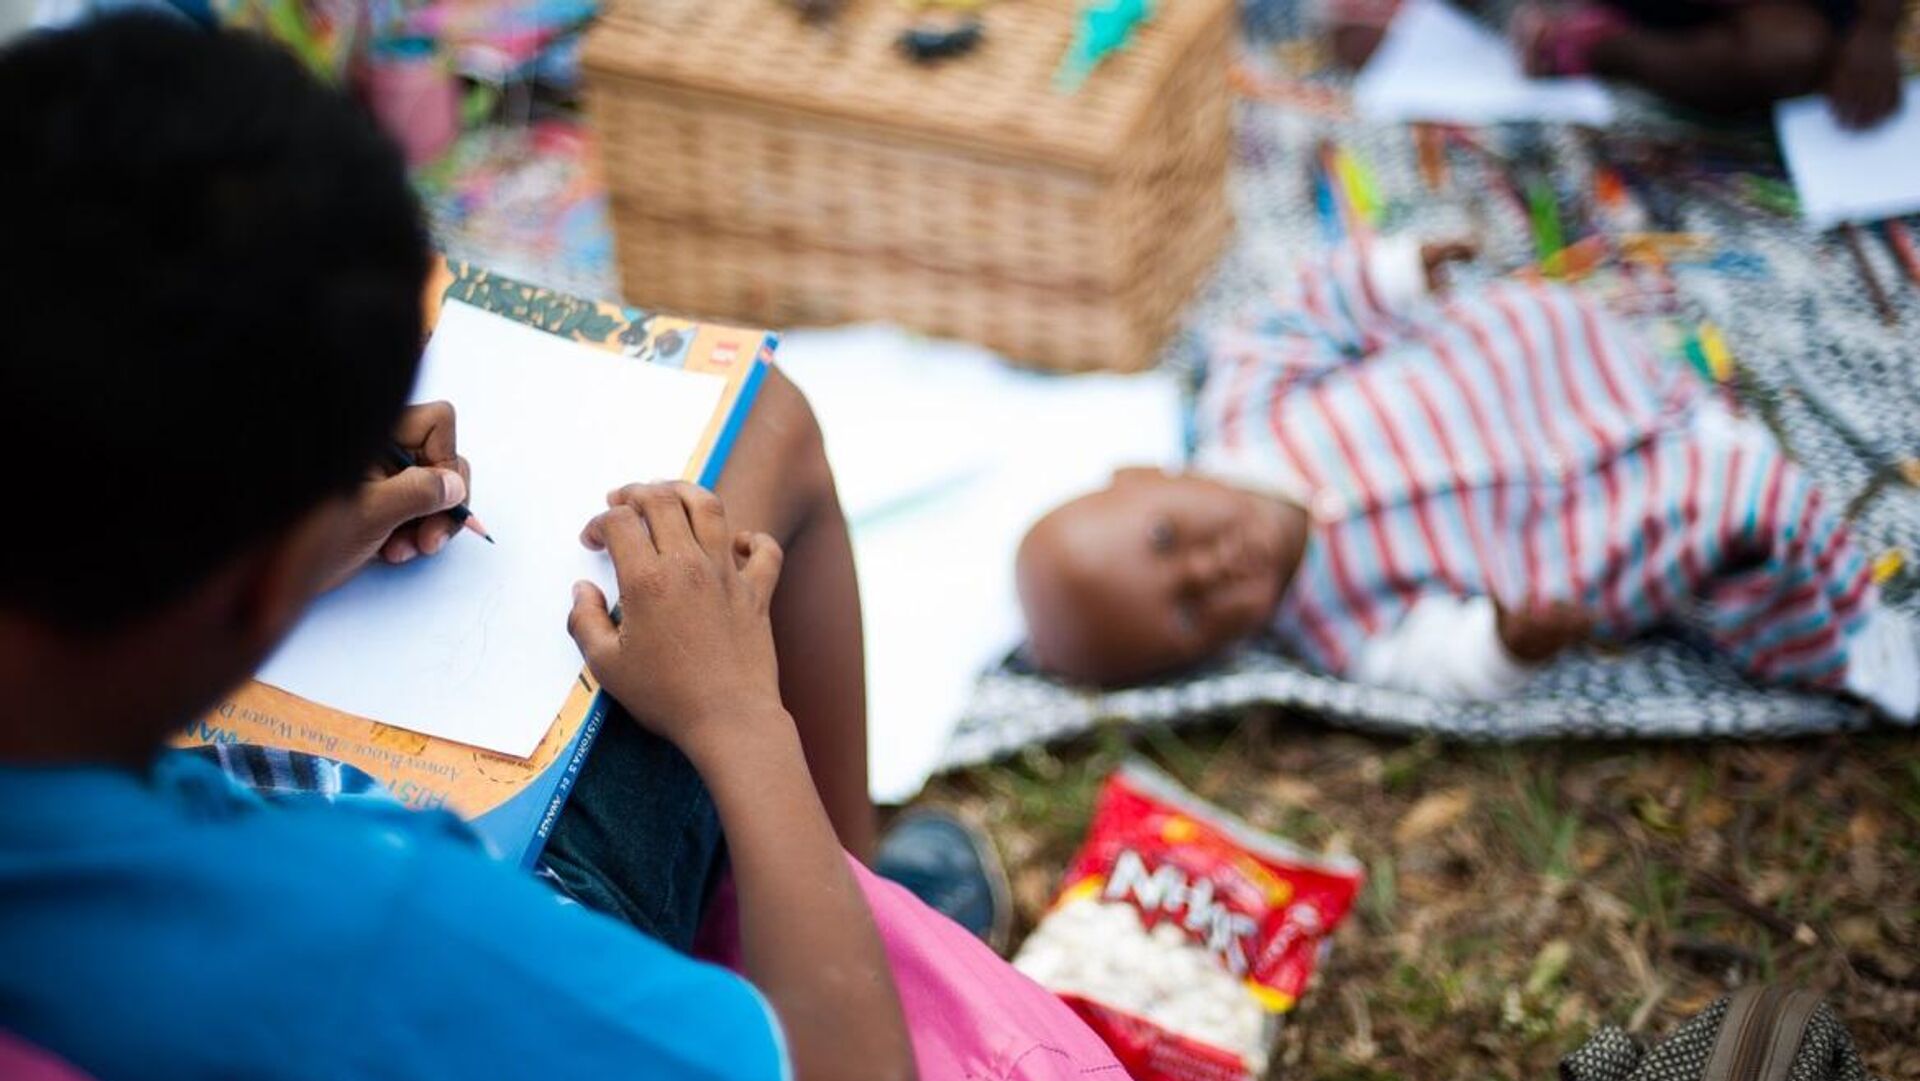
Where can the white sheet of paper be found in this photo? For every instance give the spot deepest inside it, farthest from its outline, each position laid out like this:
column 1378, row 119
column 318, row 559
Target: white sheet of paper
column 471, row 645
column 1846, row 175
column 944, row 456
column 1437, row 64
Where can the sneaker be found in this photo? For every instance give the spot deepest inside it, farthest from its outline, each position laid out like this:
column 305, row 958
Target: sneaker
column 952, row 867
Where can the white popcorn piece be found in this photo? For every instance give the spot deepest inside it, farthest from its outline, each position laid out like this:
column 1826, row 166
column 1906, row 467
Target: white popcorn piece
column 1101, row 951
column 1183, row 934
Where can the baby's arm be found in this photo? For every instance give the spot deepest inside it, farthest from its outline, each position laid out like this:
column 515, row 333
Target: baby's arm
column 1468, row 647
column 1343, row 306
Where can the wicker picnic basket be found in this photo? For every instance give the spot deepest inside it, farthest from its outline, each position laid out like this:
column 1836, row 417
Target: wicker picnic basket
column 779, row 173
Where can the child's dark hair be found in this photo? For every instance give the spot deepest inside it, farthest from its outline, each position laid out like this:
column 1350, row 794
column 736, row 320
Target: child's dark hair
column 210, row 307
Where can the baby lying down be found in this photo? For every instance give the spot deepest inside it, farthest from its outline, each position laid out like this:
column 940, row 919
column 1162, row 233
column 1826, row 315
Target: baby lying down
column 1441, row 494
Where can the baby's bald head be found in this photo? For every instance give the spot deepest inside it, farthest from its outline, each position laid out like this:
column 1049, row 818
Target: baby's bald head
column 1153, row 573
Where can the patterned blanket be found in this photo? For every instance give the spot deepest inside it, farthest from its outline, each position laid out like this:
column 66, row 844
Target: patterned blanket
column 1813, row 357
column 1841, row 388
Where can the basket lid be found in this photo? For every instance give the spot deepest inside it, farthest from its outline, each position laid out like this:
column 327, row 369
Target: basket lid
column 1001, row 95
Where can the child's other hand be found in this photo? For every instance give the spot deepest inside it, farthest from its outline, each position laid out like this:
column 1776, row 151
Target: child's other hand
column 1864, row 88
column 692, row 657
column 402, row 516
column 1539, row 634
column 1436, row 257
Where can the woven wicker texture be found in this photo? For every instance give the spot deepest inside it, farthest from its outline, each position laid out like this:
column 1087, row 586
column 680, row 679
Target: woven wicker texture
column 768, row 171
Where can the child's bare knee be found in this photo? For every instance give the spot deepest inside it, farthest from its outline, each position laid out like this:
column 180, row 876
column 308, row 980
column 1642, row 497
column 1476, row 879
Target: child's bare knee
column 778, row 468
column 788, row 418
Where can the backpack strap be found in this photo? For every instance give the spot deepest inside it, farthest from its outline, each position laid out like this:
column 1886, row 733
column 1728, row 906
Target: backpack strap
column 1761, row 1033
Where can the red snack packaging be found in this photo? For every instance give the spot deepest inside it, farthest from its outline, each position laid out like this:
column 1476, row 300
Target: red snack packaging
column 1183, row 935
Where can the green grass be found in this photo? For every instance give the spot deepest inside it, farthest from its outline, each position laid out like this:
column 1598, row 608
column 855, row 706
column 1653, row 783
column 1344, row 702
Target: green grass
column 1567, row 894
column 1535, row 818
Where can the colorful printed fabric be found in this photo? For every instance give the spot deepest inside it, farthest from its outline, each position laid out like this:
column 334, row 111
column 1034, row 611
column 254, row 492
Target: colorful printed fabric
column 1523, row 444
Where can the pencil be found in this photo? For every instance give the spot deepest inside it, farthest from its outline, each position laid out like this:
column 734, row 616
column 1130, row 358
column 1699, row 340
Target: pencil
column 1900, row 239
column 1432, row 149
column 1337, row 190
column 1325, row 203
column 400, row 458
column 1544, row 211
column 1363, row 191
column 1851, row 233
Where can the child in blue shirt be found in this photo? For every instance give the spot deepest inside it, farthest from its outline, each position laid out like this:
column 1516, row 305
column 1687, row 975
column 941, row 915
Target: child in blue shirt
column 184, row 479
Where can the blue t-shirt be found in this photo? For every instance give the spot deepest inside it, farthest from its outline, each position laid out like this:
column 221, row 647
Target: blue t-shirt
column 175, row 926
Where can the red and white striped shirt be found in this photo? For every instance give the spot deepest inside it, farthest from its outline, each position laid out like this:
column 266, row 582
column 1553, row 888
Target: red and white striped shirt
column 1517, row 445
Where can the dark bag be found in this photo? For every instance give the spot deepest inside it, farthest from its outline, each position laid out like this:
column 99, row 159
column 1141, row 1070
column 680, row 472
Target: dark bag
column 1765, row 1033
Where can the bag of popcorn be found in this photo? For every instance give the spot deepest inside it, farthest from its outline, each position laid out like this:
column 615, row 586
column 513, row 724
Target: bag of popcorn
column 1182, row 935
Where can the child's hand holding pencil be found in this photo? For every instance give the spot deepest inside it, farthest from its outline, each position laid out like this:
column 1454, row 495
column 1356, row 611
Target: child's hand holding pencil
column 414, row 501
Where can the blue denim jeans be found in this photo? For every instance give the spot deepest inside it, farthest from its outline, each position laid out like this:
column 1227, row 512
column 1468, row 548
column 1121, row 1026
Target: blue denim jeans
column 639, row 838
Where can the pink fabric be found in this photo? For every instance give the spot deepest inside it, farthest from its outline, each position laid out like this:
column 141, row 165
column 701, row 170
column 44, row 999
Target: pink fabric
column 22, row 1062
column 972, row 1017
column 416, row 101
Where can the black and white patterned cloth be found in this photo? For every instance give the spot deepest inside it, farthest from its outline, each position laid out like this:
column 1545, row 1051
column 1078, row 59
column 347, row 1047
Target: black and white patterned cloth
column 1841, row 388
column 1826, row 1051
